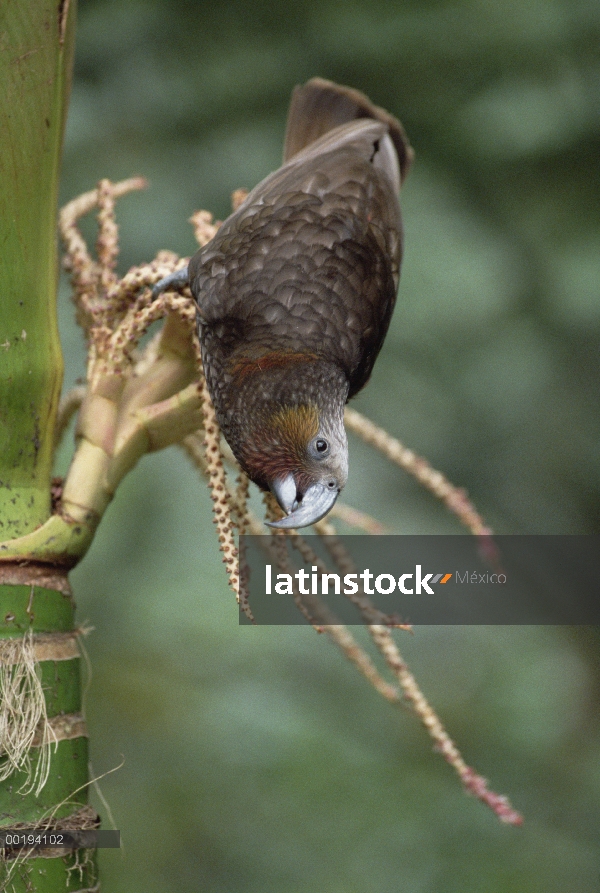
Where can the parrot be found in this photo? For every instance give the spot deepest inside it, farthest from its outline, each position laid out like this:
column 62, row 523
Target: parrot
column 295, row 292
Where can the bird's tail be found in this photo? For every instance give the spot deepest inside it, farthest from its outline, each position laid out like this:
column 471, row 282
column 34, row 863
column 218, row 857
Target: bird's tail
column 319, row 105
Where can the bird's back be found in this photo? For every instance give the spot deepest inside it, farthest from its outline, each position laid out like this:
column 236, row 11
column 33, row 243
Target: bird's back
column 309, row 263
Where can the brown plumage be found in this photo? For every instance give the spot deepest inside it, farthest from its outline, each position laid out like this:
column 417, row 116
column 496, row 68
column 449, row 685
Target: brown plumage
column 296, row 291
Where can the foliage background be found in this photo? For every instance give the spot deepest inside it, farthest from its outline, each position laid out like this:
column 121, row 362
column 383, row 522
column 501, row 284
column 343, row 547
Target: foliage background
column 255, row 759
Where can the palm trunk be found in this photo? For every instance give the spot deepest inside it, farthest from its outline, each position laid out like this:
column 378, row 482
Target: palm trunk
column 37, row 633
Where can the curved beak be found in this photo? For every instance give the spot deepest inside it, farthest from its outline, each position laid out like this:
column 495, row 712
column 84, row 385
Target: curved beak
column 314, row 505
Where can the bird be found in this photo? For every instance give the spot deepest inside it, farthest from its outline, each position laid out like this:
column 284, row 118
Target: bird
column 295, row 292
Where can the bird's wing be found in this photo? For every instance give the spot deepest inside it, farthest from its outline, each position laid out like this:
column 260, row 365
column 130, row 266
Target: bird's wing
column 368, row 140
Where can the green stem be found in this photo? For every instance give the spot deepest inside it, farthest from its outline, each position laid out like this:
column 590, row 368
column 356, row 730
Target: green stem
column 46, row 614
column 35, row 66
column 37, row 636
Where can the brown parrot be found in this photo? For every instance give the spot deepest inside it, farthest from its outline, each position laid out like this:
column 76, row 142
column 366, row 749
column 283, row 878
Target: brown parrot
column 295, row 294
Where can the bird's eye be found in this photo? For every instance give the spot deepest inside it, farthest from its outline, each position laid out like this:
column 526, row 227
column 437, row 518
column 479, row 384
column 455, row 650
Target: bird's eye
column 332, row 485
column 321, row 446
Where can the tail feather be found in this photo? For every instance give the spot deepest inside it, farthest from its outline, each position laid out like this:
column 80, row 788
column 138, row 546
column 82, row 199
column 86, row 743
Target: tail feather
column 319, row 105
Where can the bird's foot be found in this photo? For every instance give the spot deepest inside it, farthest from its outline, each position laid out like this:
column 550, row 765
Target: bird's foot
column 174, row 282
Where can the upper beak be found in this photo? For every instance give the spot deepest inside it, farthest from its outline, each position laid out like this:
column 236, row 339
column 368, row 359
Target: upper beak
column 314, row 505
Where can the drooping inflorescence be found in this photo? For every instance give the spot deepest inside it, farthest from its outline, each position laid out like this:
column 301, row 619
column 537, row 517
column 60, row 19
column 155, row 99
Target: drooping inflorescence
column 137, row 400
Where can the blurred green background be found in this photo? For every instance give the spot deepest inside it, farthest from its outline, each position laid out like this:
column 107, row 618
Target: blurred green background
column 256, row 759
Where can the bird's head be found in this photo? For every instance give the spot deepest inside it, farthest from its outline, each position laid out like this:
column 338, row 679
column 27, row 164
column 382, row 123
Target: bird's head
column 282, row 413
column 300, row 453
column 312, row 464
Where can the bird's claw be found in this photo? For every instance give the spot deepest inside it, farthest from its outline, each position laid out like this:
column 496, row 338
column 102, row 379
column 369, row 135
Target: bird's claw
column 174, row 281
